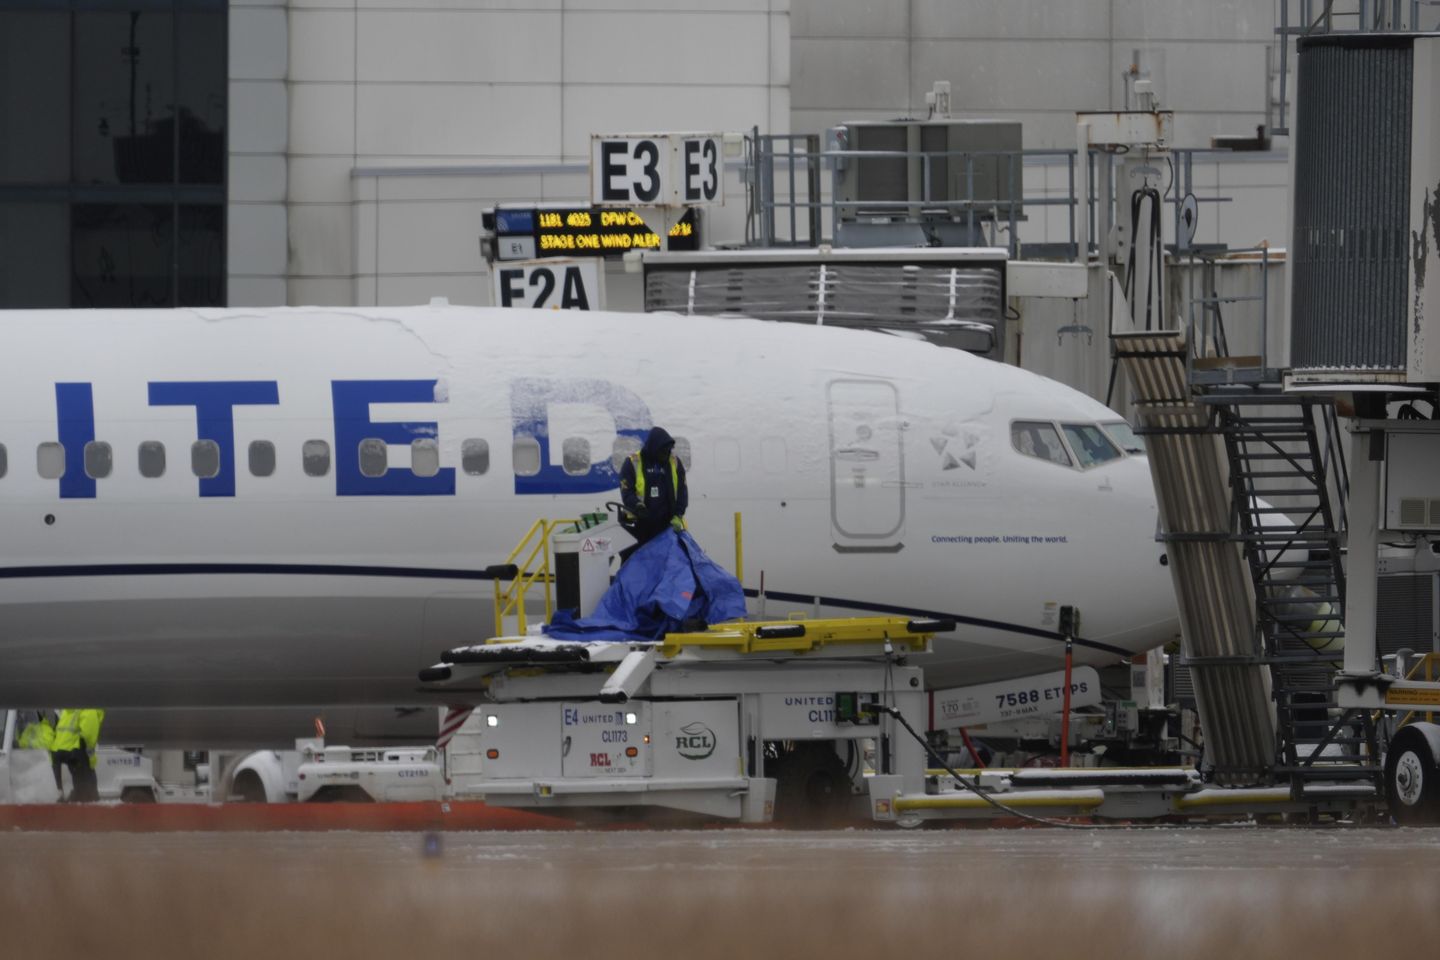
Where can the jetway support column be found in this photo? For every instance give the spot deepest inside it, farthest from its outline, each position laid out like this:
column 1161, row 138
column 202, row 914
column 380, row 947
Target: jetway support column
column 1361, row 584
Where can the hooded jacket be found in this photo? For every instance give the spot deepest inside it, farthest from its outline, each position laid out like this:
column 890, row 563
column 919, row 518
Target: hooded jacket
column 652, row 482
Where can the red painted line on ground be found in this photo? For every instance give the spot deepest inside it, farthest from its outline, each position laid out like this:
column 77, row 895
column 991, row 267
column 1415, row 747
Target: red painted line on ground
column 207, row 818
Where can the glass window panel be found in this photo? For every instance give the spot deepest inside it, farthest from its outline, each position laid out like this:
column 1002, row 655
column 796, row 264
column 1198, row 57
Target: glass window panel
column 34, row 254
column 121, row 255
column 201, row 44
column 98, row 459
column 1036, row 438
column 526, row 456
column 621, row 450
column 1090, row 444
column 4, row 460
column 201, row 257
column 50, row 460
column 575, row 456
column 772, row 454
column 727, row 455
column 262, row 458
column 34, row 96
column 374, row 458
column 152, row 459
column 475, row 457
column 425, row 457
column 124, row 129
column 205, row 458
column 315, row 455
column 1124, row 436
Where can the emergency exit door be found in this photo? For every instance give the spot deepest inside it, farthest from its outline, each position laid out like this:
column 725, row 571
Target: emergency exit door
column 867, row 466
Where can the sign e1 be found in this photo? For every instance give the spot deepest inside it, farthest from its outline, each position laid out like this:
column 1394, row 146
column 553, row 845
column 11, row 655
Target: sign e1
column 657, row 170
column 549, row 284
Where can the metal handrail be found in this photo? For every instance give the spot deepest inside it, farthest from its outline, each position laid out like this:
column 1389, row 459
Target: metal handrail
column 802, row 167
column 512, row 599
column 1428, row 663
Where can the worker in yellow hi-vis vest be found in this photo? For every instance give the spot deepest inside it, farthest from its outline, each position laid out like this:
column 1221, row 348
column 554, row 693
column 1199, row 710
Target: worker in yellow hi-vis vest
column 38, row 734
column 77, row 736
column 652, row 486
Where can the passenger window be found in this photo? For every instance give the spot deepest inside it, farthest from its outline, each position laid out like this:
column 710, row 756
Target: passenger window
column 1124, row 436
column 1090, row 444
column 50, row 460
column 526, row 456
column 99, row 460
column 772, row 454
column 374, row 458
column 622, row 449
column 262, row 458
column 315, row 456
column 205, row 459
column 152, row 459
column 575, row 456
column 4, row 460
column 682, row 452
column 1035, row 438
column 425, row 457
column 475, row 457
column 727, row 455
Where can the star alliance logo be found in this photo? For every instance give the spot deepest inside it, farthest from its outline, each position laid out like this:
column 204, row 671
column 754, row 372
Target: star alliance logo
column 954, row 449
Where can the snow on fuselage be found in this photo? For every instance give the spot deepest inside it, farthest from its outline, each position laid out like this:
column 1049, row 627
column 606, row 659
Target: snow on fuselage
column 293, row 506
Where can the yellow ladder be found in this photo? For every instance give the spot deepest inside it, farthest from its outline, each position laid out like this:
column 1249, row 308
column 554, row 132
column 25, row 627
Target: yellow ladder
column 1427, row 663
column 522, row 574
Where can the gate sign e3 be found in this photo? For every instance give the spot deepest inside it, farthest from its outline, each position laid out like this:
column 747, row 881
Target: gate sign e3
column 549, row 284
column 657, row 169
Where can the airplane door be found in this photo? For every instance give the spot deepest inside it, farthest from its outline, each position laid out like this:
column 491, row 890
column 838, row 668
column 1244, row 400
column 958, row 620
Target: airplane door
column 867, row 467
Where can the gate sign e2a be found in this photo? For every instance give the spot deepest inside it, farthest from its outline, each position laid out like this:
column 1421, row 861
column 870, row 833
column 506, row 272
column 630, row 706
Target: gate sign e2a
column 549, row 284
column 657, row 169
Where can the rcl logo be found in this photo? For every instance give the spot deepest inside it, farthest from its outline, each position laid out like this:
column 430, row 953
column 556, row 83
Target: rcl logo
column 600, row 760
column 695, row 741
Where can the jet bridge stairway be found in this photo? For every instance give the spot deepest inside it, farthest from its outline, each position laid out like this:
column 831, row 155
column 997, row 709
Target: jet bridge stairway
column 1246, row 486
column 1288, row 484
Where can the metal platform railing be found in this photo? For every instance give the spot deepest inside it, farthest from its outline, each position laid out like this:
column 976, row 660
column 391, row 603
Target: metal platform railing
column 527, row 566
column 797, row 163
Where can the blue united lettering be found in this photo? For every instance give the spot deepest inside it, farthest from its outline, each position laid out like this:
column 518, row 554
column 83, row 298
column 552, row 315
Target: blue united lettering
column 215, row 401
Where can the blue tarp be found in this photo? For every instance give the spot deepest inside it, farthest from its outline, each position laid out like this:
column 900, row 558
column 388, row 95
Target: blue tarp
column 665, row 583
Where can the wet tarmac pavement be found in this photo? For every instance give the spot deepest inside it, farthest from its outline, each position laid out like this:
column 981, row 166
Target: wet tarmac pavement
column 1217, row 892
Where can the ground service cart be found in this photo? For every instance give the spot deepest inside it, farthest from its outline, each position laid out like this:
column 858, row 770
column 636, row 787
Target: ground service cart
column 742, row 720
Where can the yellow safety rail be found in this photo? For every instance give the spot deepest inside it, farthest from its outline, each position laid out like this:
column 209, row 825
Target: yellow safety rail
column 511, row 599
column 800, row 636
column 1430, row 665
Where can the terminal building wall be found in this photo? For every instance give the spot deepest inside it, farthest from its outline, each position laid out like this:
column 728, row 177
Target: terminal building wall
column 364, row 138
column 374, row 137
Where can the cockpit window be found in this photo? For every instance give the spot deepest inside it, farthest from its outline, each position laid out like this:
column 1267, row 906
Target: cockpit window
column 1124, row 436
column 1035, row 438
column 1090, row 444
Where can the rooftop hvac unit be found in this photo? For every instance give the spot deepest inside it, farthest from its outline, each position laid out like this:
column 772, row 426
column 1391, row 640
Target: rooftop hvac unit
column 1366, row 211
column 929, row 169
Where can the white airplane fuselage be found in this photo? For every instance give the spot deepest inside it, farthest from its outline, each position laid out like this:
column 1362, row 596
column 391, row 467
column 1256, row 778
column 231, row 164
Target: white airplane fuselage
column 167, row 563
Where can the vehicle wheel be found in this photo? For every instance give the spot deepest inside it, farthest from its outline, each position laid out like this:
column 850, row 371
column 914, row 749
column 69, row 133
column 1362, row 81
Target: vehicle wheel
column 137, row 795
column 1412, row 782
column 248, row 788
column 345, row 794
column 813, row 787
